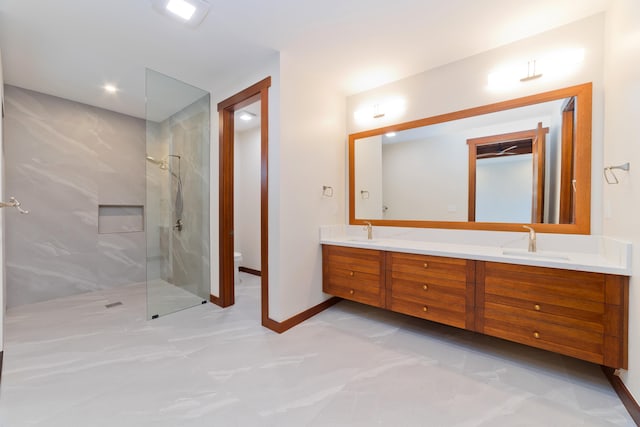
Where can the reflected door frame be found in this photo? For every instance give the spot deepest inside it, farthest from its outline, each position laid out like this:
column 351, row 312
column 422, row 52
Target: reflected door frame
column 514, row 143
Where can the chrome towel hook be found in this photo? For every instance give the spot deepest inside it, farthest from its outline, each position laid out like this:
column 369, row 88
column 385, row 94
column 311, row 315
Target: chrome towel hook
column 609, row 174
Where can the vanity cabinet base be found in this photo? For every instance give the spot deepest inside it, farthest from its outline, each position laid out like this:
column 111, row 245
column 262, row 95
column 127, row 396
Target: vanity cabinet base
column 578, row 314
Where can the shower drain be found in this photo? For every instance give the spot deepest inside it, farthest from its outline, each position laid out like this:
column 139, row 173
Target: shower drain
column 113, row 304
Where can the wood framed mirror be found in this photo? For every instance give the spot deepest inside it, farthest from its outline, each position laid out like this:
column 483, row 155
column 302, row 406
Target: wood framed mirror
column 525, row 161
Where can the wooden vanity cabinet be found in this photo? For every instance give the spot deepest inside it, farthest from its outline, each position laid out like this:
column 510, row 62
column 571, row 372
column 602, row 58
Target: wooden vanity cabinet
column 433, row 288
column 575, row 313
column 579, row 314
column 354, row 274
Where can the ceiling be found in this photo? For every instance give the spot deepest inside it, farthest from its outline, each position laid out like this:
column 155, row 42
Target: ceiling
column 71, row 48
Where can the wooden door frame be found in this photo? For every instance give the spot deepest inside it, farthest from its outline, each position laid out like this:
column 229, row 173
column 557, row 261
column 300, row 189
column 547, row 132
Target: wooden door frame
column 226, row 109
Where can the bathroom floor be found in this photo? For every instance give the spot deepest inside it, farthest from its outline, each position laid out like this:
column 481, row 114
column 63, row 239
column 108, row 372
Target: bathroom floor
column 73, row 362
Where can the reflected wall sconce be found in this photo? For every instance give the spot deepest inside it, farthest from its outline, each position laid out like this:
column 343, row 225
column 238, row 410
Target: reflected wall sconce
column 364, row 194
column 327, row 191
column 378, row 111
column 610, row 175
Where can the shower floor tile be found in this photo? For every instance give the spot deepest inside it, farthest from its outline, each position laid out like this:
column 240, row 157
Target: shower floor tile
column 74, row 362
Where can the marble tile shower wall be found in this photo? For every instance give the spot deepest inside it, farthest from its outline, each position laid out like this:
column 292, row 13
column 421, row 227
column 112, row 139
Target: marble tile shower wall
column 63, row 160
column 190, row 262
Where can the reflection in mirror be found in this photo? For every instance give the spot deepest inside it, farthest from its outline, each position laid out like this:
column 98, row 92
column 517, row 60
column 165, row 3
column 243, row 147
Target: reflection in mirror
column 520, row 161
column 507, row 177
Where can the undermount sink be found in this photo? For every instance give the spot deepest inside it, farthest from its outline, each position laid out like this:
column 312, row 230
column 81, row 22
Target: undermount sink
column 535, row 255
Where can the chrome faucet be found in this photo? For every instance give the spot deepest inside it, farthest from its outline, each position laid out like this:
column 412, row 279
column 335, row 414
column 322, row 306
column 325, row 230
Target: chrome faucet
column 369, row 229
column 532, row 238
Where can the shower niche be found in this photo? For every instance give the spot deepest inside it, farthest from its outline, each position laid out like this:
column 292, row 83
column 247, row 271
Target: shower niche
column 120, row 219
column 176, row 218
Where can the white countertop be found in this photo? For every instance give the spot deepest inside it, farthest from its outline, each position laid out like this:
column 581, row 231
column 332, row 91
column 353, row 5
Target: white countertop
column 605, row 255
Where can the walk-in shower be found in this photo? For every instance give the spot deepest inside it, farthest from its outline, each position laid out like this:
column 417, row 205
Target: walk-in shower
column 177, row 195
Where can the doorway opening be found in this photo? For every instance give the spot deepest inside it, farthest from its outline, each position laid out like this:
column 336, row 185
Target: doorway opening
column 227, row 109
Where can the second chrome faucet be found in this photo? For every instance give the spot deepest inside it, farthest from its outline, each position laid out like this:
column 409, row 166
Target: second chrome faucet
column 369, row 229
column 532, row 238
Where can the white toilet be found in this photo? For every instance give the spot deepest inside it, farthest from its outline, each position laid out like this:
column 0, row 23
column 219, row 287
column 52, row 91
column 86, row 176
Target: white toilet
column 237, row 258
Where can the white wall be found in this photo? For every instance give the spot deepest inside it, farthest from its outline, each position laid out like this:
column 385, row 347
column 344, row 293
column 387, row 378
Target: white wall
column 464, row 84
column 368, row 177
column 312, row 153
column 622, row 130
column 246, row 194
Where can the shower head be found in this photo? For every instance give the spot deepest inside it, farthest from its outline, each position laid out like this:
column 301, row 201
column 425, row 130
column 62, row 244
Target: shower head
column 162, row 163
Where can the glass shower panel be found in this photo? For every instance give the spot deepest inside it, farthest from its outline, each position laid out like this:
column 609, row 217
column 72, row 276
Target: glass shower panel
column 177, row 200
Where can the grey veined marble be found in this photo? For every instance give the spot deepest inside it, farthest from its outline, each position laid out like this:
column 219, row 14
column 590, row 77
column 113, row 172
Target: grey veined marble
column 73, row 362
column 63, row 160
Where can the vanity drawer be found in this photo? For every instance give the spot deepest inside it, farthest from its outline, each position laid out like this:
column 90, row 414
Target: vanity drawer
column 444, row 304
column 591, row 319
column 428, row 268
column 453, row 315
column 354, row 274
column 444, row 293
column 571, row 338
column 539, row 285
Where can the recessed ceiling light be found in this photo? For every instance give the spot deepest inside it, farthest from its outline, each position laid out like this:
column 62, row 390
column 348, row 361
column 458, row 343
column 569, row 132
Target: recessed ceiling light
column 246, row 116
column 109, row 88
column 181, row 8
column 189, row 12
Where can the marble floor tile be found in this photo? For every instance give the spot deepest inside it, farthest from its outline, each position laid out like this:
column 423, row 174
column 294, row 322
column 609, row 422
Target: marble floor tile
column 73, row 362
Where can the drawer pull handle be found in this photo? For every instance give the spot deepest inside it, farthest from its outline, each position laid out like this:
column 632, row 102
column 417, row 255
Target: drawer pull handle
column 351, row 273
column 351, row 292
column 536, row 307
column 536, row 335
column 425, row 308
column 425, row 287
column 426, row 265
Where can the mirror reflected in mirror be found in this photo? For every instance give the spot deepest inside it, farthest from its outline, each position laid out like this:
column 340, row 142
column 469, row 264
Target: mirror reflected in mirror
column 523, row 161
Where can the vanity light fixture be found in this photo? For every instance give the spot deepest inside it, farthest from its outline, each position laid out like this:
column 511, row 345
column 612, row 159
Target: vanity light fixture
column 246, row 116
column 189, row 12
column 390, row 134
column 555, row 65
column 388, row 109
column 531, row 72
